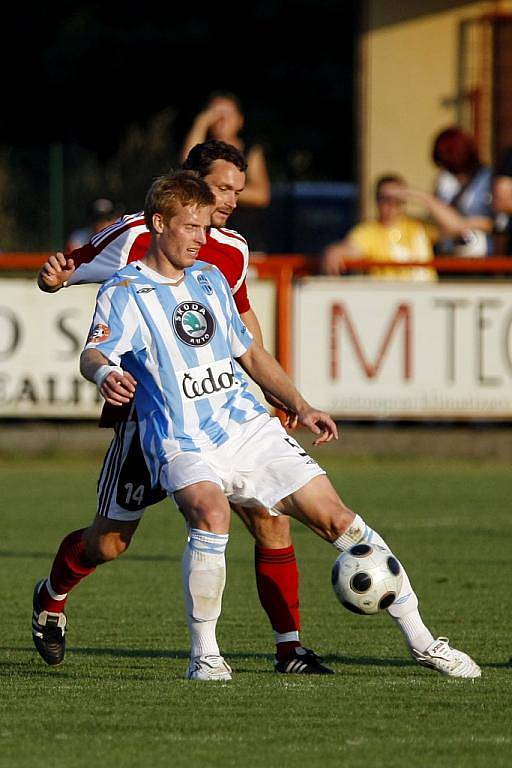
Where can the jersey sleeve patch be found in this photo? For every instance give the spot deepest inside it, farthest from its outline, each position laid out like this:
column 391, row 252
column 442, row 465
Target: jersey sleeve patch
column 99, row 333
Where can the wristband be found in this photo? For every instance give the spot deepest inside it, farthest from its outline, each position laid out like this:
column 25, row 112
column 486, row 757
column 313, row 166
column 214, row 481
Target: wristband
column 103, row 371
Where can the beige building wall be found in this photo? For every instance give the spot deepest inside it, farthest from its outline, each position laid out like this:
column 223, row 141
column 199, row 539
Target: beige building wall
column 408, row 88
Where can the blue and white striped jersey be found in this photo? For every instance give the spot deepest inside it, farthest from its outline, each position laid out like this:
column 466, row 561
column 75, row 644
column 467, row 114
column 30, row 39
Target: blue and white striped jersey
column 179, row 339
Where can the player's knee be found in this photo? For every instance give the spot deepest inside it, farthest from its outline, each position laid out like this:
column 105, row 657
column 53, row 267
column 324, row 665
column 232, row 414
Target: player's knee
column 211, row 518
column 107, row 547
column 207, row 516
column 204, row 506
column 272, row 532
column 335, row 521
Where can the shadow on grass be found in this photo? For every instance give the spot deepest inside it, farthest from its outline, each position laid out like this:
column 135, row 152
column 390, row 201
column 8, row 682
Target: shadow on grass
column 149, row 653
column 6, row 667
column 26, row 555
column 50, row 555
column 364, row 661
column 405, row 662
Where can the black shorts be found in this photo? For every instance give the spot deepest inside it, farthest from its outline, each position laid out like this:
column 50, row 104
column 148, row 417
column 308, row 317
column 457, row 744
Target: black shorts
column 124, row 485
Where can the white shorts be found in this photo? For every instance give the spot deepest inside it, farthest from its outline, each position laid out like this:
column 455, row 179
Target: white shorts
column 258, row 466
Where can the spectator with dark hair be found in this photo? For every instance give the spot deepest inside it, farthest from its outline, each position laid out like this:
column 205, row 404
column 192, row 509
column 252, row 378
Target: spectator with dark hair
column 102, row 212
column 392, row 236
column 465, row 184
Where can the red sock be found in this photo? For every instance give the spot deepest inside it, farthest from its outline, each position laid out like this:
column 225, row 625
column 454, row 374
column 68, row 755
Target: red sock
column 277, row 579
column 70, row 566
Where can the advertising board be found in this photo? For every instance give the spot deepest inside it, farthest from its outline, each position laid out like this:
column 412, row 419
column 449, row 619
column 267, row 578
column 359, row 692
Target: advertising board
column 372, row 349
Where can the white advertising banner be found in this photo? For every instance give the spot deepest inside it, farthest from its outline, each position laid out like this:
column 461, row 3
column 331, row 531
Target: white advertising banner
column 368, row 349
column 41, row 337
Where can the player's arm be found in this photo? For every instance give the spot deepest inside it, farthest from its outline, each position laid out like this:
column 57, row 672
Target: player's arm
column 55, row 272
column 268, row 374
column 110, row 337
column 115, row 385
column 251, row 321
column 96, row 263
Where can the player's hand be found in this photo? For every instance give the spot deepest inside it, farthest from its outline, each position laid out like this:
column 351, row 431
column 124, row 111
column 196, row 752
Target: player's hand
column 54, row 272
column 291, row 418
column 320, row 424
column 118, row 389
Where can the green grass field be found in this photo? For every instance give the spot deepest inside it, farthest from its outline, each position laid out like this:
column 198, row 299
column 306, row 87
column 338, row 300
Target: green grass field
column 120, row 698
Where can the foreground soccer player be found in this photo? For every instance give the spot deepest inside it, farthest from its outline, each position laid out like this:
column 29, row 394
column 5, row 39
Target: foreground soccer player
column 124, row 488
column 171, row 322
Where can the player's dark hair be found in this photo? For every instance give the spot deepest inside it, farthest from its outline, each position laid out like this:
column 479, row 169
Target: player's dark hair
column 172, row 190
column 201, row 157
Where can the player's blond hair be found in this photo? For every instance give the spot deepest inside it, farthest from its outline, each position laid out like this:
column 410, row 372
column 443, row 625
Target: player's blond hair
column 173, row 190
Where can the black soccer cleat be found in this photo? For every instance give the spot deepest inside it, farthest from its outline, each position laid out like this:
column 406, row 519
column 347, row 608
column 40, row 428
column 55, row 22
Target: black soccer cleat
column 302, row 661
column 48, row 631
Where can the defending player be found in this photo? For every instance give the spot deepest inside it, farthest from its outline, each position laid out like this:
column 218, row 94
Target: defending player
column 166, row 331
column 124, row 488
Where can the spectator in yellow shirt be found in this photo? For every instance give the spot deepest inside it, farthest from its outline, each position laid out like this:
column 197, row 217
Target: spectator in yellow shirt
column 392, row 236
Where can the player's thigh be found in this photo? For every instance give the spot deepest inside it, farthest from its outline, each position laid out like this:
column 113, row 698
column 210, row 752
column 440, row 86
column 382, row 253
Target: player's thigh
column 267, row 465
column 318, row 505
column 204, row 506
column 269, row 531
column 124, row 485
column 198, row 491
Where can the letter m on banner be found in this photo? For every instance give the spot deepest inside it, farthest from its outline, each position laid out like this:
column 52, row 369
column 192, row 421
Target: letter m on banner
column 340, row 320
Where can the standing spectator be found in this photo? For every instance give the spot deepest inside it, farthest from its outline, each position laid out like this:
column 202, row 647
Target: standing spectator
column 465, row 184
column 102, row 212
column 223, row 119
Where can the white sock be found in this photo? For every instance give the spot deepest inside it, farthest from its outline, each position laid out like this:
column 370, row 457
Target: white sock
column 404, row 611
column 204, row 576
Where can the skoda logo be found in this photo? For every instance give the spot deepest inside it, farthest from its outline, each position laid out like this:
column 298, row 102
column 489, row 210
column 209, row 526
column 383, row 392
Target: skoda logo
column 193, row 323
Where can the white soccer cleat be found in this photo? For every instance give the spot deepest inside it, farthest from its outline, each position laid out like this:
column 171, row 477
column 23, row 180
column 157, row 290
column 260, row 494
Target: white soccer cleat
column 449, row 661
column 208, row 667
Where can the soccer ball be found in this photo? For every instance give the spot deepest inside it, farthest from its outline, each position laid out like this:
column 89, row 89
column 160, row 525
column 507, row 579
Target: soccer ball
column 366, row 578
